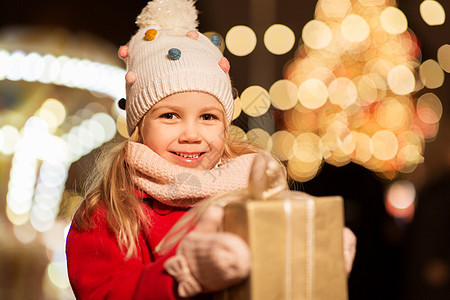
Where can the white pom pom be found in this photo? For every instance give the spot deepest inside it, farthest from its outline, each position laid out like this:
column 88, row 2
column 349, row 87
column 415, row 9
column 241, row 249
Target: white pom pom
column 169, row 14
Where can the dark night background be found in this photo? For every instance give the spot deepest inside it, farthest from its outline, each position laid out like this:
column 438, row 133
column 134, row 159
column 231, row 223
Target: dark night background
column 394, row 260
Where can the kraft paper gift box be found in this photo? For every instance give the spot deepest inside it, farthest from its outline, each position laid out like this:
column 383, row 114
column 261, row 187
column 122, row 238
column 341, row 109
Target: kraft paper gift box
column 296, row 247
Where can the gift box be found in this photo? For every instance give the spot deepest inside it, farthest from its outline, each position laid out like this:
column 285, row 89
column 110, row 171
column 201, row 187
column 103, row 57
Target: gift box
column 295, row 239
column 296, row 247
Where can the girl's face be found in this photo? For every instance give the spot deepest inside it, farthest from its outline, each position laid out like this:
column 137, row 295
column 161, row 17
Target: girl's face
column 186, row 129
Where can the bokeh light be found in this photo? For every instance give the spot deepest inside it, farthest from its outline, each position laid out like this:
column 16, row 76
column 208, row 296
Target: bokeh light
column 443, row 56
column 401, row 80
column 312, row 93
column 358, row 69
column 260, row 137
column 53, row 112
column 283, row 144
column 121, row 125
column 237, row 133
column 9, row 137
column 237, row 108
column 316, row 34
column 283, row 94
column 354, row 28
column 393, row 20
column 57, row 273
column 24, row 232
column 400, row 200
column 335, row 8
column 63, row 70
column 384, row 145
column 42, row 135
column 429, row 108
column 342, row 91
column 431, row 74
column 279, row 39
column 432, row 12
column 255, row 101
column 240, row 40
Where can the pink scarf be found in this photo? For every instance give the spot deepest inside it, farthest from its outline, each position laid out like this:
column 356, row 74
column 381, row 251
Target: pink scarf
column 185, row 187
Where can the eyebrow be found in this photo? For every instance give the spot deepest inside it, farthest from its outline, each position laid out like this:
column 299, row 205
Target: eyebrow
column 211, row 108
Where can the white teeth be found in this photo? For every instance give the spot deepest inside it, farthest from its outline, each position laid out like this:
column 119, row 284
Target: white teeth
column 187, row 155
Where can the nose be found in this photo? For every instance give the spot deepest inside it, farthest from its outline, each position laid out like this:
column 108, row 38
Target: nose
column 190, row 133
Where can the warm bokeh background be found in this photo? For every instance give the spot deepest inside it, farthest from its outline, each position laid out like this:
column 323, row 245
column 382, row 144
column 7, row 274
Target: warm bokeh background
column 370, row 123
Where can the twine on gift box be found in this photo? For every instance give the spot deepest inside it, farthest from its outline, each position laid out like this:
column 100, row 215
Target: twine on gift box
column 266, row 180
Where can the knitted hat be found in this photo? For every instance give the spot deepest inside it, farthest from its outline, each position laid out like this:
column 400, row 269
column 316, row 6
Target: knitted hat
column 168, row 55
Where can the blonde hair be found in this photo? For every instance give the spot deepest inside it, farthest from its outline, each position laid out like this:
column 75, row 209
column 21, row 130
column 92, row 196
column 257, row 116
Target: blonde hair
column 110, row 186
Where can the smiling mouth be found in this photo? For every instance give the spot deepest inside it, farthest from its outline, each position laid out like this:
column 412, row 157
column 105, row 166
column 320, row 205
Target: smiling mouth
column 189, row 155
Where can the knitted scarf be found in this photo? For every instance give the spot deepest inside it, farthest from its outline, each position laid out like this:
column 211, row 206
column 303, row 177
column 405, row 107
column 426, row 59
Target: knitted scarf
column 184, row 187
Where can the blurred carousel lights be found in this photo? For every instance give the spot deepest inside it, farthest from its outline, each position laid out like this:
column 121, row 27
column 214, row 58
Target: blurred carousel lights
column 71, row 72
column 37, row 198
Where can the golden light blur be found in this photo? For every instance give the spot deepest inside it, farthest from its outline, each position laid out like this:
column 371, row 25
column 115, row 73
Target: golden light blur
column 279, row 39
column 316, row 34
column 400, row 200
column 335, row 8
column 384, row 145
column 283, row 94
column 429, row 108
column 260, row 137
column 255, row 101
column 432, row 12
column 237, row 108
column 121, row 125
column 312, row 93
column 283, row 144
column 342, row 92
column 354, row 28
column 431, row 74
column 393, row 20
column 240, row 40
column 237, row 133
column 401, row 80
column 356, row 72
column 444, row 57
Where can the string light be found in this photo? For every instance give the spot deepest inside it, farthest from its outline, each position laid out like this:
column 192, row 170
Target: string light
column 72, row 72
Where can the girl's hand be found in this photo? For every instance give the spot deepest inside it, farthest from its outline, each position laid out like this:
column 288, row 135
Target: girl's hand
column 349, row 241
column 207, row 260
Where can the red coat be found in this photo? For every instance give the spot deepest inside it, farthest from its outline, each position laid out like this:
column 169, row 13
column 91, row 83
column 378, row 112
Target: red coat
column 97, row 268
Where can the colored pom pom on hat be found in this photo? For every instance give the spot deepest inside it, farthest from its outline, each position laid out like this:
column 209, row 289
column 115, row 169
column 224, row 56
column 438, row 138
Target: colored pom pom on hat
column 215, row 39
column 192, row 34
column 151, row 34
column 224, row 64
column 123, row 52
column 130, row 77
column 174, row 53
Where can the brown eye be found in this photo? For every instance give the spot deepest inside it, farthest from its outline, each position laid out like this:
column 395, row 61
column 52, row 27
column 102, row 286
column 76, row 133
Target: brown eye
column 167, row 116
column 208, row 117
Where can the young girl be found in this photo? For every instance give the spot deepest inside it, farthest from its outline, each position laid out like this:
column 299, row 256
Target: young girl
column 179, row 105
